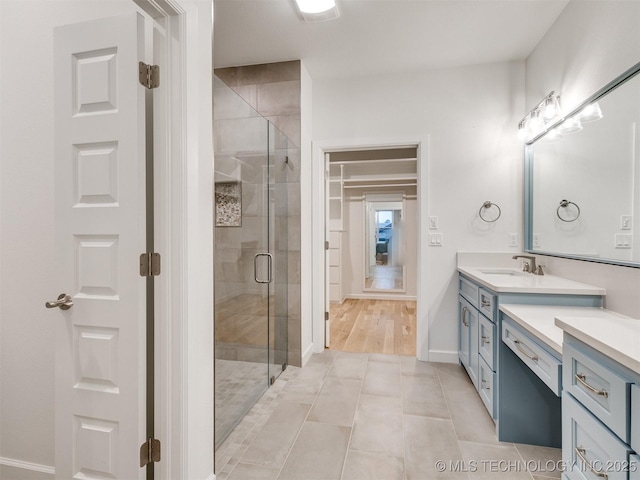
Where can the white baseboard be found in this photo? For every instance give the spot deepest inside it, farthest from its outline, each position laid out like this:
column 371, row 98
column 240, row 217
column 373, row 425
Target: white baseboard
column 380, row 296
column 306, row 355
column 19, row 469
column 443, row 356
column 212, row 476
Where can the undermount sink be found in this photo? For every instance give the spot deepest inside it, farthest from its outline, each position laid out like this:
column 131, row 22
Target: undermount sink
column 503, row 271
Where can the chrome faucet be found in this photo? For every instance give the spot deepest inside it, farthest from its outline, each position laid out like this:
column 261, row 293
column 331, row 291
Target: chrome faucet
column 530, row 265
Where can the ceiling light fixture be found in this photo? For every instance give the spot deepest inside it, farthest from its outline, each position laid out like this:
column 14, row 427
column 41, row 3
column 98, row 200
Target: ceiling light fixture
column 317, row 10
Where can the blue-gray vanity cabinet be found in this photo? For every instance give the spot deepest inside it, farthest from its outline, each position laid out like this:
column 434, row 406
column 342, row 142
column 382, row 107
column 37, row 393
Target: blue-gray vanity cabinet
column 634, row 467
column 468, row 338
column 542, row 362
column 480, row 351
column 589, row 449
column 635, row 418
column 476, row 345
column 599, row 428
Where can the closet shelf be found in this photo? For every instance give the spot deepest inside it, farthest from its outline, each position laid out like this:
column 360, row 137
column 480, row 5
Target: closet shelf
column 380, row 178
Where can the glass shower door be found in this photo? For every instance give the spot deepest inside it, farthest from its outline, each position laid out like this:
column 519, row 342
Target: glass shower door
column 250, row 257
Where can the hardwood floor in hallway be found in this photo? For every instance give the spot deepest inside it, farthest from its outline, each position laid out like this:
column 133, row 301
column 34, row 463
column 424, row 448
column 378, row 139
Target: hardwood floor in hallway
column 374, row 326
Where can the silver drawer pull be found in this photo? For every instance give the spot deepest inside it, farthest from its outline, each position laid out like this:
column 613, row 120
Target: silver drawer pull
column 532, row 357
column 581, row 452
column 485, row 339
column 582, row 378
column 464, row 316
column 485, row 303
column 485, row 385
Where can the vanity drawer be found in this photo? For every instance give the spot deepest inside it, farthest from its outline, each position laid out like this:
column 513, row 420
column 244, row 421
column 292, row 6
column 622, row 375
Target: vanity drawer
column 634, row 467
column 486, row 341
column 603, row 391
column 541, row 362
column 487, row 303
column 486, row 382
column 635, row 418
column 469, row 291
column 588, row 447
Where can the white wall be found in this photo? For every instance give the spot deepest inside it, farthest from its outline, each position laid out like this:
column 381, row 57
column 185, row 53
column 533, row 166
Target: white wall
column 470, row 116
column 306, row 276
column 27, row 225
column 590, row 44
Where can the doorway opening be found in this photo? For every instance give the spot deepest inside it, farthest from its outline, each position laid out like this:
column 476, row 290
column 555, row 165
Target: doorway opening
column 371, row 199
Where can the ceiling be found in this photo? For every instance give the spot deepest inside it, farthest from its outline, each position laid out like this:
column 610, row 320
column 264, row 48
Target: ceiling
column 374, row 37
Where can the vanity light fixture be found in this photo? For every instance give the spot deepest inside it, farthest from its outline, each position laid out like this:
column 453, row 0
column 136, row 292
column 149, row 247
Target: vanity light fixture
column 554, row 135
column 551, row 108
column 317, row 10
column 590, row 113
column 570, row 125
column 546, row 112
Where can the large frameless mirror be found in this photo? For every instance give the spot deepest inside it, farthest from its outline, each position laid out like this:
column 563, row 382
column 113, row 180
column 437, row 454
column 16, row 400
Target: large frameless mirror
column 384, row 242
column 583, row 179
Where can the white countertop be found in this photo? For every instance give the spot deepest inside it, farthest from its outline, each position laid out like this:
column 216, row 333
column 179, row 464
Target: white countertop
column 618, row 338
column 515, row 281
column 540, row 320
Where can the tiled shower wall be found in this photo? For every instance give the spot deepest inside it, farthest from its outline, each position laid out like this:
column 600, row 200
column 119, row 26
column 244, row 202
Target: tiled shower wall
column 273, row 89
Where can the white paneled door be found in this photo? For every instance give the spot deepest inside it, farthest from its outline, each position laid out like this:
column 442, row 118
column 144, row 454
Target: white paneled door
column 100, row 234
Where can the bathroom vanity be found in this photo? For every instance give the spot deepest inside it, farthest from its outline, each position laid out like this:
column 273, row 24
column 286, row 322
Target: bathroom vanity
column 601, row 398
column 510, row 361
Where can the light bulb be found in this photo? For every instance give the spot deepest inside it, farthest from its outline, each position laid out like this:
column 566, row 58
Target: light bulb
column 535, row 125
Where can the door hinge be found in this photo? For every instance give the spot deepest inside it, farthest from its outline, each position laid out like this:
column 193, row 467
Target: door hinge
column 149, row 264
column 326, row 316
column 326, row 245
column 149, row 452
column 149, row 75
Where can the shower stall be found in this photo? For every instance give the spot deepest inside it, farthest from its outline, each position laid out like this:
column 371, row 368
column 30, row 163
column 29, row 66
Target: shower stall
column 251, row 254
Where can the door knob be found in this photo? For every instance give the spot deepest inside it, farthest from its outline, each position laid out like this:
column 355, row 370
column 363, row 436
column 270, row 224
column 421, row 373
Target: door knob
column 64, row 302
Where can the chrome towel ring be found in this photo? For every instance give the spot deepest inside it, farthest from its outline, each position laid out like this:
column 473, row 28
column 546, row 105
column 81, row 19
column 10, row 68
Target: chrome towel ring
column 565, row 204
column 486, row 206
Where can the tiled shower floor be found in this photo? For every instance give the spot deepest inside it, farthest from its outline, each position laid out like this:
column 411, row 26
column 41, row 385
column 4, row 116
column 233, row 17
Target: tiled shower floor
column 238, row 386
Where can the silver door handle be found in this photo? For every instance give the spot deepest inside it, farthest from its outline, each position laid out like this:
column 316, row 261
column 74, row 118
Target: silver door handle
column 582, row 455
column 582, row 378
column 64, row 302
column 464, row 315
column 269, row 267
column 532, row 357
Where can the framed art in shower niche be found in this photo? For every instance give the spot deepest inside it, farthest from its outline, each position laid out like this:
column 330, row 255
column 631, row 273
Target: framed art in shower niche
column 228, row 204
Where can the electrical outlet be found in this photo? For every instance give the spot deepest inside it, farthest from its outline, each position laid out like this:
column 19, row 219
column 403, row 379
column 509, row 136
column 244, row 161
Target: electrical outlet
column 513, row 239
column 537, row 240
column 433, row 223
column 435, row 239
column 623, row 240
column 625, row 222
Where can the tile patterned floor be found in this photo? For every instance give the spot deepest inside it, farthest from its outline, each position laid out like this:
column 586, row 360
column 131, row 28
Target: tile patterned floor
column 238, row 386
column 355, row 416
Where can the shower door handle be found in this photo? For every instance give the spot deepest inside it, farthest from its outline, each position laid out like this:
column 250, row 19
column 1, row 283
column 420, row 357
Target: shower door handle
column 269, row 267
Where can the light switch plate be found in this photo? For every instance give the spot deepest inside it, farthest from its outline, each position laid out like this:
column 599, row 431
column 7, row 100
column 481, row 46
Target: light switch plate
column 435, row 239
column 623, row 240
column 433, row 223
column 626, row 222
column 513, row 239
column 537, row 240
